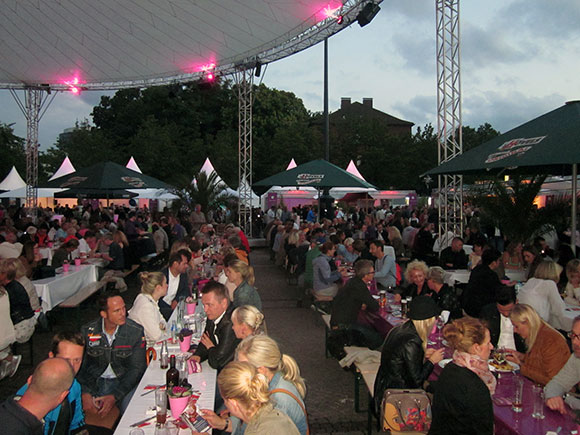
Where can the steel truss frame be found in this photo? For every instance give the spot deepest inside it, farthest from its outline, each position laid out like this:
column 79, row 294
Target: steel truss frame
column 34, row 107
column 309, row 33
column 245, row 82
column 449, row 134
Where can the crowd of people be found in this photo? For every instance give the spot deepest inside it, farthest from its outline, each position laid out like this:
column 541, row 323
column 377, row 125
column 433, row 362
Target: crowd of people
column 339, row 260
column 528, row 323
column 260, row 389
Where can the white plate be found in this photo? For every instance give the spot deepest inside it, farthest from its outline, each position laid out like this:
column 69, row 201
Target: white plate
column 512, row 364
column 444, row 362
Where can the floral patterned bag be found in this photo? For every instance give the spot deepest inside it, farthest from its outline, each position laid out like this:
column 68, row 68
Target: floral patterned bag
column 406, row 411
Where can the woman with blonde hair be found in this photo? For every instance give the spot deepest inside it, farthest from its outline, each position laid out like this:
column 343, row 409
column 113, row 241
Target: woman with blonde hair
column 547, row 349
column 23, row 279
column 282, row 374
column 247, row 320
column 145, row 310
column 416, row 277
column 405, row 360
column 572, row 289
column 245, row 393
column 462, row 402
column 541, row 293
column 242, row 276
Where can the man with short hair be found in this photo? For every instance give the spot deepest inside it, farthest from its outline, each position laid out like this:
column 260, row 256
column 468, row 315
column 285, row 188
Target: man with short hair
column 454, row 257
column 114, row 359
column 177, row 282
column 47, row 388
column 385, row 267
column 218, row 343
column 558, row 388
column 497, row 318
column 350, row 300
column 68, row 417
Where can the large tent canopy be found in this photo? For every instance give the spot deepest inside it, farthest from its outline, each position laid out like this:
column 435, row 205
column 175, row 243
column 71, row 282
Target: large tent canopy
column 112, row 44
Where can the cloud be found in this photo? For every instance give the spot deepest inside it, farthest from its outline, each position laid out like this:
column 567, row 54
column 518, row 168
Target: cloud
column 506, row 111
column 412, row 10
column 421, row 109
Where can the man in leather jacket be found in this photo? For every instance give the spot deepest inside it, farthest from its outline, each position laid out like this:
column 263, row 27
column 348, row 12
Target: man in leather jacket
column 218, row 343
column 114, row 359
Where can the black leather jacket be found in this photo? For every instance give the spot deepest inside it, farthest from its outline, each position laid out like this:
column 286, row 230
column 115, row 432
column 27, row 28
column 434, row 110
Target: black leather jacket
column 126, row 356
column 402, row 362
column 223, row 352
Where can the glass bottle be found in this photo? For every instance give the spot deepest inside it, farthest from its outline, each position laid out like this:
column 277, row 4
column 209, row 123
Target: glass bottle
column 172, row 375
column 164, row 355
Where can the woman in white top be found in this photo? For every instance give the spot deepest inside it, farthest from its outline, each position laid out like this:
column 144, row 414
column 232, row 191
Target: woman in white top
column 541, row 293
column 145, row 309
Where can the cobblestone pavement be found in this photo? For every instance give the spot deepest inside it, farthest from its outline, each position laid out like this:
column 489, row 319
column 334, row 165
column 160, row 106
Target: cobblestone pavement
column 299, row 331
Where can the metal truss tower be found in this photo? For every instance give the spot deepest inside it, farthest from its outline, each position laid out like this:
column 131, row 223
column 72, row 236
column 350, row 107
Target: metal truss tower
column 449, row 114
column 245, row 81
column 33, row 108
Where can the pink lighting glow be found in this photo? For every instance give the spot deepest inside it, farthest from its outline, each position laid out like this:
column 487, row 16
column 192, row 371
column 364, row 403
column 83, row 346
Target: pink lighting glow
column 73, row 85
column 332, row 10
column 208, row 71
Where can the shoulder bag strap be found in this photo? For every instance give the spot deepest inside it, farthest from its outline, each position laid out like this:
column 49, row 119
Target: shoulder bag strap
column 282, row 390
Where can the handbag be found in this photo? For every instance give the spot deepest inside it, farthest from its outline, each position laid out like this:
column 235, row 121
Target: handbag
column 406, row 411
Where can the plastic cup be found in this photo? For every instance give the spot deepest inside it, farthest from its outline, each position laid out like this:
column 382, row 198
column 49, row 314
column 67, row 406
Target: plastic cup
column 65, row 267
column 191, row 308
column 77, row 262
column 185, row 344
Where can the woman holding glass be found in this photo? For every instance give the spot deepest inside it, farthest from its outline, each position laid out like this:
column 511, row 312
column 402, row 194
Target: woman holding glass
column 462, row 402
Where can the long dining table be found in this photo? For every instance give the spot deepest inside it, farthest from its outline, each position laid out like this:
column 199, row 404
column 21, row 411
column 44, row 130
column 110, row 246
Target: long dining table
column 507, row 422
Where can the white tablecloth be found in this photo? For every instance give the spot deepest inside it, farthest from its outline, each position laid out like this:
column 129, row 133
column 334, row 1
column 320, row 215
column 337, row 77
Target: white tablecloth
column 203, row 382
column 57, row 289
column 461, row 276
column 46, row 253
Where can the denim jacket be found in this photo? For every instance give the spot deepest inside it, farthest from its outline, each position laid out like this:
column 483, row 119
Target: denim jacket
column 126, row 356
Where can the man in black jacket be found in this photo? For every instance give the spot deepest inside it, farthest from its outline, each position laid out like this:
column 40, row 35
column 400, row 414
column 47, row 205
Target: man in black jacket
column 497, row 317
column 351, row 299
column 483, row 283
column 218, row 342
column 454, row 257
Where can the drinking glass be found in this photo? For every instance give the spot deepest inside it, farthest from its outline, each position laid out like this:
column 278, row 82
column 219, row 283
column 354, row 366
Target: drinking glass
column 518, row 394
column 538, row 412
column 161, row 405
column 181, row 365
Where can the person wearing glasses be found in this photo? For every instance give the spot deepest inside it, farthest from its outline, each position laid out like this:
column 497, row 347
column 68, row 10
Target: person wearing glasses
column 557, row 390
column 352, row 298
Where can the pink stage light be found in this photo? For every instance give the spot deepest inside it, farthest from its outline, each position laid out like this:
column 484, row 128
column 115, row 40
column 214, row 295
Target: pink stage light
column 208, row 71
column 73, row 85
column 332, row 10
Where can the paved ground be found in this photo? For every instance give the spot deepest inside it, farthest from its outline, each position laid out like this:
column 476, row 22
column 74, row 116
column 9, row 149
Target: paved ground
column 300, row 332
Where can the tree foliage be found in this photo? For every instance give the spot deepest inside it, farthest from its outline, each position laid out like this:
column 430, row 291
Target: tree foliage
column 206, row 191
column 12, row 151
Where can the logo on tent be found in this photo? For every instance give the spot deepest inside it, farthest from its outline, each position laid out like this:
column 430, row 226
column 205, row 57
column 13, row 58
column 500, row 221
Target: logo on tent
column 73, row 181
column 133, row 181
column 305, row 179
column 514, row 147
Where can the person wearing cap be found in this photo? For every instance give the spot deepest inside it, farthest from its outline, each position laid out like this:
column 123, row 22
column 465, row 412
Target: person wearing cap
column 405, row 360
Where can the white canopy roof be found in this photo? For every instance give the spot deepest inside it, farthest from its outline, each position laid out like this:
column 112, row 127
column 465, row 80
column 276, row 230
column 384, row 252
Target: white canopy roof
column 339, row 192
column 12, row 181
column 66, row 167
column 111, row 44
column 21, row 193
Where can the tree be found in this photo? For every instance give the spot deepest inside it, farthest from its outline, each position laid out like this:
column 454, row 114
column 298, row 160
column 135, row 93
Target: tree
column 12, row 150
column 205, row 191
column 510, row 206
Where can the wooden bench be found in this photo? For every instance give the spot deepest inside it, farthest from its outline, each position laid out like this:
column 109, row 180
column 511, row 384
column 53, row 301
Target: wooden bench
column 79, row 297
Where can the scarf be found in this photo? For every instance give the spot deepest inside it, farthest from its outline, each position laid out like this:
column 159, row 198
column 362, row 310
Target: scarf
column 477, row 366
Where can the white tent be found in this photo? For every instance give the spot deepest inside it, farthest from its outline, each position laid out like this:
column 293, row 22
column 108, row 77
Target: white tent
column 13, row 181
column 148, row 193
column 21, row 193
column 66, row 167
column 208, row 169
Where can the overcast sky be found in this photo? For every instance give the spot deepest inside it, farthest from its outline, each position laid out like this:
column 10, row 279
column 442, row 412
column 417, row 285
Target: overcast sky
column 519, row 59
